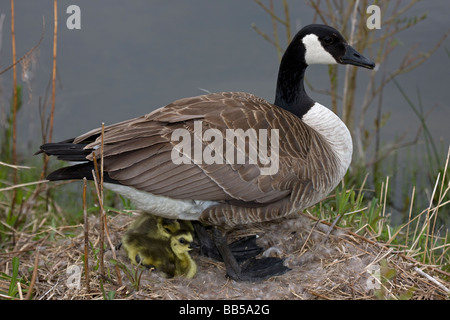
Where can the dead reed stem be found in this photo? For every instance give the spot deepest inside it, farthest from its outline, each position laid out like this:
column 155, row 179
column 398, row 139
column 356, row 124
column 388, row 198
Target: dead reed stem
column 15, row 98
column 52, row 110
column 55, row 42
column 348, row 68
column 33, row 277
column 86, row 236
column 98, row 179
column 275, row 32
column 287, row 21
column 101, row 224
column 21, row 185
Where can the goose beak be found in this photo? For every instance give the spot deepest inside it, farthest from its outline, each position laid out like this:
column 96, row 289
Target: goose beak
column 353, row 57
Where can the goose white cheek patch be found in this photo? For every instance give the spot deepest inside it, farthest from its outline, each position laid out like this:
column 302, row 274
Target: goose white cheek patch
column 315, row 53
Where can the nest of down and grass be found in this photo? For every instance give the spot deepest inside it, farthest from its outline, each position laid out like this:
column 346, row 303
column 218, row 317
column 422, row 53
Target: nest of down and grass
column 326, row 262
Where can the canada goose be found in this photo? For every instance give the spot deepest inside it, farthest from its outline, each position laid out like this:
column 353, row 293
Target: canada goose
column 149, row 252
column 167, row 252
column 314, row 149
column 147, row 236
column 181, row 244
column 154, row 226
column 146, row 242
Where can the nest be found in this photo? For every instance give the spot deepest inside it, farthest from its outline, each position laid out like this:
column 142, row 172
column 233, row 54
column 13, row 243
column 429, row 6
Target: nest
column 325, row 263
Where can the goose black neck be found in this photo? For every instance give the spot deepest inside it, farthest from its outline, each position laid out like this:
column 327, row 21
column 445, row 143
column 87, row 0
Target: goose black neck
column 290, row 92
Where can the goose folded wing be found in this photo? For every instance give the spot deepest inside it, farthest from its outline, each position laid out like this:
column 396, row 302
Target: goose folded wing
column 138, row 152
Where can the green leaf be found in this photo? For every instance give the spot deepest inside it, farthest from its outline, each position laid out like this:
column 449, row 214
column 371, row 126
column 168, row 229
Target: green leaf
column 12, row 291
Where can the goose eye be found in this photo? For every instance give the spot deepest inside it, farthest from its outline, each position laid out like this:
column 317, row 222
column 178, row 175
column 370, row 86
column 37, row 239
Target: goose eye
column 328, row 40
column 182, row 241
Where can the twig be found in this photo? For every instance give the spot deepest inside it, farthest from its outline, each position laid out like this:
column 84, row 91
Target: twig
column 102, row 231
column 413, row 192
column 440, row 285
column 348, row 70
column 309, row 235
column 101, row 156
column 15, row 98
column 330, row 228
column 2, row 20
column 263, row 34
column 55, row 38
column 26, row 55
column 14, row 166
column 53, row 84
column 23, row 185
column 19, row 290
column 442, row 192
column 270, row 12
column 317, row 11
column 427, row 219
column 429, row 216
column 33, row 277
column 288, row 21
column 384, row 196
column 86, row 237
column 275, row 31
column 103, row 223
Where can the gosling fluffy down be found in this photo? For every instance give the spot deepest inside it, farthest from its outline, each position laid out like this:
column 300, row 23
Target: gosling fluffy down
column 163, row 244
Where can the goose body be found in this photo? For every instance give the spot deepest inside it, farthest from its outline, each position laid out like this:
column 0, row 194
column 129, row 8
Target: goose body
column 314, row 156
column 310, row 164
column 313, row 147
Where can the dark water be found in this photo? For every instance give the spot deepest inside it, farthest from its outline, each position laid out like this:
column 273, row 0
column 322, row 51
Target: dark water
column 131, row 57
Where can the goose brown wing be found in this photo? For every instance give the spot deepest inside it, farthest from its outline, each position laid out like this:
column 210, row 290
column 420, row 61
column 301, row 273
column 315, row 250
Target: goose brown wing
column 138, row 152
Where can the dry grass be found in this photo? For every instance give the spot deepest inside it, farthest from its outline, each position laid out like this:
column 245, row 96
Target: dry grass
column 326, row 262
column 337, row 267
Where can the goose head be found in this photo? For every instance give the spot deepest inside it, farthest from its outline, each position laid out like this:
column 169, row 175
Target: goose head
column 325, row 45
column 314, row 44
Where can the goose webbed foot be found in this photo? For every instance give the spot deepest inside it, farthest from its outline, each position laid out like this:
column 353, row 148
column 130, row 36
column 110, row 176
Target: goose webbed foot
column 242, row 249
column 250, row 270
column 264, row 268
column 245, row 248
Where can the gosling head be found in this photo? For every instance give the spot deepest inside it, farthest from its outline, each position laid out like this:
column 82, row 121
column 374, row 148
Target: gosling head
column 182, row 242
column 167, row 227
